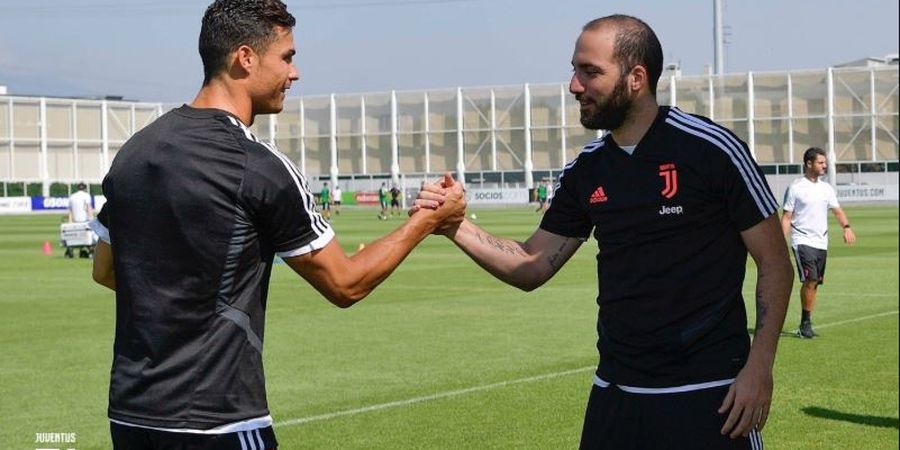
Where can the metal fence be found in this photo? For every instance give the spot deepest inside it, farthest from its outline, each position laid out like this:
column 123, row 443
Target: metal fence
column 507, row 135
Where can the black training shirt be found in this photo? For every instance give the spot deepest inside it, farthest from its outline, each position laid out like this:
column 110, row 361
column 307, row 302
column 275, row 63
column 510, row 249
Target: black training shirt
column 671, row 261
column 196, row 210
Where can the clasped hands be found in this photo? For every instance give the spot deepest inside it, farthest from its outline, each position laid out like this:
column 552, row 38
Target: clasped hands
column 446, row 199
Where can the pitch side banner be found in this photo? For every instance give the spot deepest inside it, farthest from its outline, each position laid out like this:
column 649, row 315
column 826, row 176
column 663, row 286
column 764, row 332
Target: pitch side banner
column 13, row 205
column 497, row 196
column 367, row 198
column 867, row 192
column 38, row 203
column 45, row 203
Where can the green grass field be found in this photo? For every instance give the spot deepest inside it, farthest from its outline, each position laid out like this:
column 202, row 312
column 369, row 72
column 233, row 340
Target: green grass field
column 442, row 355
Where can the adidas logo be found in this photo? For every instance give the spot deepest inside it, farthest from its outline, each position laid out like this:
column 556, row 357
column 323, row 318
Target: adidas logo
column 598, row 196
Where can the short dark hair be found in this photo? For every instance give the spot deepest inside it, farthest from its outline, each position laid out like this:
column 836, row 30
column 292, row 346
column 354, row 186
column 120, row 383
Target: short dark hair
column 636, row 44
column 812, row 153
column 228, row 24
column 80, row 186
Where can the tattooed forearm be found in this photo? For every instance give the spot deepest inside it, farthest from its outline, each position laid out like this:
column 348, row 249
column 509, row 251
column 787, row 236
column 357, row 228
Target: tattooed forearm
column 500, row 244
column 762, row 309
column 556, row 260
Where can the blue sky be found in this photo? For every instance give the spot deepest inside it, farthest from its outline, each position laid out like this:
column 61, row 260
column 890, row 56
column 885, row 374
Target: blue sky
column 146, row 49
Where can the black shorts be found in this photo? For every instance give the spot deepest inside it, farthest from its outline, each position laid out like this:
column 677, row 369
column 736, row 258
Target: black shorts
column 125, row 437
column 810, row 263
column 395, row 203
column 618, row 420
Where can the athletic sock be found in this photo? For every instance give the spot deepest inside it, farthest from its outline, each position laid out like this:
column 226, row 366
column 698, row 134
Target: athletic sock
column 805, row 316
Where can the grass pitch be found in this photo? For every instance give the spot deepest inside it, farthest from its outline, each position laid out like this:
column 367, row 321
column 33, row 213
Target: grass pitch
column 442, row 355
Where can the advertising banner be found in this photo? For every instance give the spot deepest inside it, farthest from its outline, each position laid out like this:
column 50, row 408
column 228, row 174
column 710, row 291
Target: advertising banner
column 14, row 205
column 367, row 198
column 497, row 196
column 49, row 203
column 867, row 192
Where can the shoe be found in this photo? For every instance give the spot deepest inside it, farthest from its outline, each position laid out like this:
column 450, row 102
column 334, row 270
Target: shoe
column 806, row 331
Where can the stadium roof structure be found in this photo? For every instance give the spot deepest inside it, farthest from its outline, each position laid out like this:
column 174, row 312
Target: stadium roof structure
column 891, row 59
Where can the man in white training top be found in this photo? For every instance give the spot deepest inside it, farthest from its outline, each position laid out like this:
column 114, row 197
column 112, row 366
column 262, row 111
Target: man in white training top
column 806, row 204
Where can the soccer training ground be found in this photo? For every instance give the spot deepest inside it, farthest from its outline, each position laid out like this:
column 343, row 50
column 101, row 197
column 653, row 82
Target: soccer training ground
column 442, row 355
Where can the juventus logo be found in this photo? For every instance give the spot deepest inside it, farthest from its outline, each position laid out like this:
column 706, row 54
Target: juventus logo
column 668, row 172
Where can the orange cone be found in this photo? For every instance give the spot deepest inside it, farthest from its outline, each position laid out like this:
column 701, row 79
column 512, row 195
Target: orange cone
column 47, row 250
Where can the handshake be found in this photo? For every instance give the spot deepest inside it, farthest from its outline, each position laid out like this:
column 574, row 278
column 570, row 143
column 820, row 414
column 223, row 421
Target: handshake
column 444, row 202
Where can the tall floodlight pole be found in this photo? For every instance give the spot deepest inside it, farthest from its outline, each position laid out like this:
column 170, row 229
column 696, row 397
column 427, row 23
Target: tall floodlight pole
column 718, row 39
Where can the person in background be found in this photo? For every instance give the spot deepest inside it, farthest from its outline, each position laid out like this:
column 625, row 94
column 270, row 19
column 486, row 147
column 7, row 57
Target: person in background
column 325, row 201
column 395, row 200
column 806, row 204
column 383, row 201
column 338, row 199
column 541, row 197
column 80, row 211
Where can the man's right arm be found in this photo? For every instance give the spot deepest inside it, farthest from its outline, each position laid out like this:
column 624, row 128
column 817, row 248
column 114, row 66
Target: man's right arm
column 525, row 265
column 786, row 217
column 346, row 280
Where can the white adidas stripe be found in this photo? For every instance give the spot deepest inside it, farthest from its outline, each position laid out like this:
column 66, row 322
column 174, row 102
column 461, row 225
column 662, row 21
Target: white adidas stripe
column 243, row 441
column 724, row 139
column 591, row 147
column 742, row 153
column 298, row 177
column 259, row 439
column 756, row 442
column 742, row 158
column 316, row 221
column 760, row 204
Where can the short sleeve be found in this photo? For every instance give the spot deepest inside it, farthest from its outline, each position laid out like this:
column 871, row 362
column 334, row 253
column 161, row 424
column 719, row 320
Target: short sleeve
column 566, row 216
column 832, row 198
column 788, row 204
column 282, row 206
column 748, row 196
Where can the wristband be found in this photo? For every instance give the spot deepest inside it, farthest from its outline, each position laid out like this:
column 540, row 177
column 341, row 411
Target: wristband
column 847, row 226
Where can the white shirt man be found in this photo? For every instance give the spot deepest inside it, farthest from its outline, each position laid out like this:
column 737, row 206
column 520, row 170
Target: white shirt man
column 336, row 199
column 80, row 206
column 808, row 202
column 806, row 205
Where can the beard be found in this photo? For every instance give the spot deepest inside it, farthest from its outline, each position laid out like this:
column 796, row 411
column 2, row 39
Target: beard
column 610, row 114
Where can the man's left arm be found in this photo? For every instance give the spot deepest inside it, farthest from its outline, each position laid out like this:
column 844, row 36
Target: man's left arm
column 849, row 235
column 750, row 396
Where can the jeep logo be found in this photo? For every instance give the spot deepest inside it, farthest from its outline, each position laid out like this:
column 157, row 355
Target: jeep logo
column 665, row 210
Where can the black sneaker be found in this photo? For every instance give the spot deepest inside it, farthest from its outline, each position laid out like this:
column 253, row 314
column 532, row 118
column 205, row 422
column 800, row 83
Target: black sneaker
column 806, row 331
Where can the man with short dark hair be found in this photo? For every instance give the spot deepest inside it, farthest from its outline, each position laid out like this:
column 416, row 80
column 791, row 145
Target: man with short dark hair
column 806, row 204
column 197, row 209
column 675, row 202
